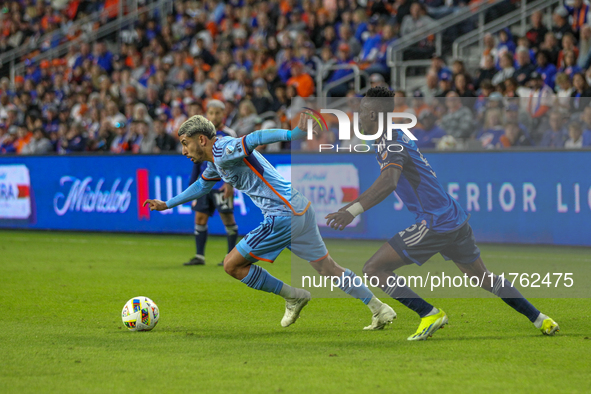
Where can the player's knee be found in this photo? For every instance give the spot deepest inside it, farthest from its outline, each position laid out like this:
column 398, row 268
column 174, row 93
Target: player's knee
column 230, row 268
column 201, row 219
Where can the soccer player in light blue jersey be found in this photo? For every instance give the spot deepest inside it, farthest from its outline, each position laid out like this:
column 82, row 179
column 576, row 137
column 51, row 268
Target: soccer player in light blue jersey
column 441, row 225
column 289, row 219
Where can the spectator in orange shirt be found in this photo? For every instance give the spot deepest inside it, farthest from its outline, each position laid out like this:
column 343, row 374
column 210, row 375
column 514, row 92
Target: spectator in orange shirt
column 23, row 138
column 303, row 82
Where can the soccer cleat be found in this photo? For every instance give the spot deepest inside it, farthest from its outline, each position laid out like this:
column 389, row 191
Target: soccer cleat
column 549, row 327
column 293, row 307
column 382, row 317
column 429, row 324
column 197, row 260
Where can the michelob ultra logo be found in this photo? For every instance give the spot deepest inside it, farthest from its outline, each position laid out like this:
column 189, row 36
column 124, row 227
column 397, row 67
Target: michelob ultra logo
column 15, row 192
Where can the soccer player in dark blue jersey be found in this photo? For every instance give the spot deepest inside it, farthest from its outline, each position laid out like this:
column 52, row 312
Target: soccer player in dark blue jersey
column 220, row 198
column 441, row 224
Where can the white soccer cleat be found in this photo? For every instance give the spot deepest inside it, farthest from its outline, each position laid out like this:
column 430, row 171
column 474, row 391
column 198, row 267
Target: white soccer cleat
column 293, row 307
column 382, row 317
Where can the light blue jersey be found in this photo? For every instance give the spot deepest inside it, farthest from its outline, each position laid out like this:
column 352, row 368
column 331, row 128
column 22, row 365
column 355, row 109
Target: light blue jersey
column 290, row 221
column 249, row 172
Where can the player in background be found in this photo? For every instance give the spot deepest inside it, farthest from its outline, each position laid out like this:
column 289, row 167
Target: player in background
column 220, row 198
column 441, row 224
column 289, row 220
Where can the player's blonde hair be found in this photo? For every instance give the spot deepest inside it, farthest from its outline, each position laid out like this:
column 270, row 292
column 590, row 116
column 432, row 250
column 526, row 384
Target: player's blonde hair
column 197, row 125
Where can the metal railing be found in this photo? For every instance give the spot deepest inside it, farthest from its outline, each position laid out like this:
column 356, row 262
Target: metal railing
column 396, row 50
column 109, row 28
column 356, row 76
column 518, row 16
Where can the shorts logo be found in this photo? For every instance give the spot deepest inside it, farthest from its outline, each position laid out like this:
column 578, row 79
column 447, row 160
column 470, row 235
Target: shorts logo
column 417, row 234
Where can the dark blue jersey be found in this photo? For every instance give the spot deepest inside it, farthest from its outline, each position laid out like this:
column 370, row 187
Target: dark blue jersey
column 198, row 168
column 418, row 186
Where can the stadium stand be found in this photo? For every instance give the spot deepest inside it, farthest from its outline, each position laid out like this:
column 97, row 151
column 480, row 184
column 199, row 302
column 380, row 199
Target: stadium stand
column 130, row 91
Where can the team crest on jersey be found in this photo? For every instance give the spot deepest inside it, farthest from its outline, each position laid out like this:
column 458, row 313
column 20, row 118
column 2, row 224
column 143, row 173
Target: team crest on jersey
column 230, row 149
column 405, row 138
column 384, row 154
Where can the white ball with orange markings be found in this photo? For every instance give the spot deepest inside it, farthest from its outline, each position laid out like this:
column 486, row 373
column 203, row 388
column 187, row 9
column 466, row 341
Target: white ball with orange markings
column 140, row 314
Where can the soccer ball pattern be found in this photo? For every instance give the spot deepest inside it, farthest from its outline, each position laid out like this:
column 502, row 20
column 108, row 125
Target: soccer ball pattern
column 140, row 314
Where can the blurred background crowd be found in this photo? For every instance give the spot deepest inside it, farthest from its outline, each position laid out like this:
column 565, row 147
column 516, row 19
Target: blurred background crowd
column 132, row 91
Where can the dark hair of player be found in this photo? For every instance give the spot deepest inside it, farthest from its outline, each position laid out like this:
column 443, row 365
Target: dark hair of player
column 384, row 99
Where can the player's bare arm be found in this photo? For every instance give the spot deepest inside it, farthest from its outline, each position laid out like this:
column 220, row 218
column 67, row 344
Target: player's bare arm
column 156, row 205
column 381, row 188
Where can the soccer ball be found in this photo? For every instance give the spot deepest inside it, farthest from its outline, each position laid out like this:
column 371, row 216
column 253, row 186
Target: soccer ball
column 447, row 142
column 140, row 314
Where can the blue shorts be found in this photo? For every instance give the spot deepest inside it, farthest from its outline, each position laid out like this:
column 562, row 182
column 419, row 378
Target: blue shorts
column 417, row 244
column 212, row 201
column 298, row 233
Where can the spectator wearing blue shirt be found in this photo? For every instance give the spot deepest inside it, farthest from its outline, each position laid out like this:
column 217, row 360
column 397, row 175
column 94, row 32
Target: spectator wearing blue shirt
column 438, row 65
column 380, row 64
column 492, row 130
column 570, row 66
column 83, row 56
column 546, row 69
column 344, row 58
column 73, row 141
column 287, row 57
column 506, row 43
column 51, row 123
column 359, row 19
column 429, row 134
column 310, row 61
column 555, row 134
column 32, row 72
column 372, row 42
column 103, row 57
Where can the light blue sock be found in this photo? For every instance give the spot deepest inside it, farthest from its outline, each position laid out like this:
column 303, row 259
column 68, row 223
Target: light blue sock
column 259, row 279
column 353, row 285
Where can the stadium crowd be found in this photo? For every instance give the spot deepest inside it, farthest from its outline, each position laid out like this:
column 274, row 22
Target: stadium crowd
column 261, row 57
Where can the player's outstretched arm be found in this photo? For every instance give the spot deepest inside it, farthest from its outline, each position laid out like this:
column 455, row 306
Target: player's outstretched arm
column 198, row 189
column 269, row 136
column 156, row 205
column 381, row 188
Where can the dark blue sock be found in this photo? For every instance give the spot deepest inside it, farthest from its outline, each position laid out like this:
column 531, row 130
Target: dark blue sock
column 408, row 297
column 232, row 232
column 513, row 298
column 200, row 238
column 353, row 285
column 259, row 279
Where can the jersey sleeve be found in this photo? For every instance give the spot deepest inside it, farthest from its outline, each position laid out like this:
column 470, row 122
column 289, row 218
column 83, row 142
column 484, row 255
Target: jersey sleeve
column 194, row 191
column 392, row 154
column 227, row 151
column 210, row 174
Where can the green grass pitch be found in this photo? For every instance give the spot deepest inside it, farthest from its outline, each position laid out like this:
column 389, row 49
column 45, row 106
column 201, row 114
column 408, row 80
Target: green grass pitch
column 61, row 296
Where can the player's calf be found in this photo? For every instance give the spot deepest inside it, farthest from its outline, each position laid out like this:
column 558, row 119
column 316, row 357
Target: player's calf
column 347, row 281
column 503, row 289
